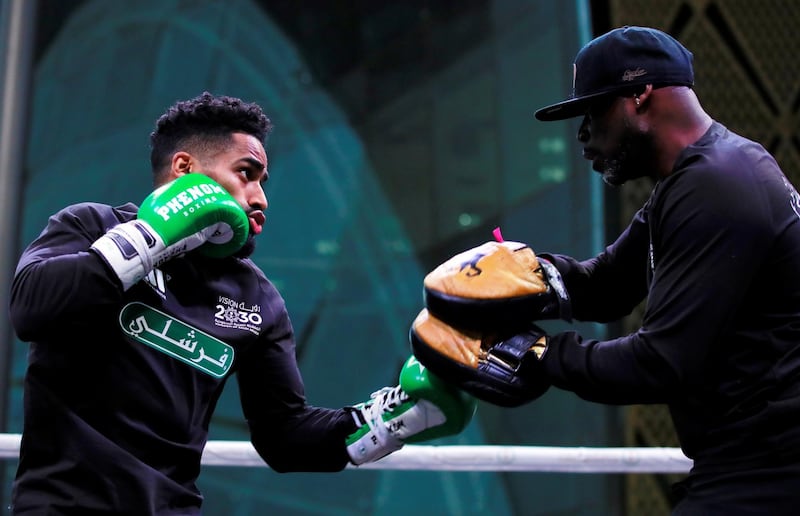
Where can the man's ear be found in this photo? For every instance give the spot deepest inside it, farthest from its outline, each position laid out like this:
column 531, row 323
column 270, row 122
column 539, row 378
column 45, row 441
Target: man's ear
column 642, row 96
column 182, row 163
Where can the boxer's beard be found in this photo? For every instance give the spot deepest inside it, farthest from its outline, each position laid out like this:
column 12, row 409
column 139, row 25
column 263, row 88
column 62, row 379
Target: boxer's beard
column 248, row 248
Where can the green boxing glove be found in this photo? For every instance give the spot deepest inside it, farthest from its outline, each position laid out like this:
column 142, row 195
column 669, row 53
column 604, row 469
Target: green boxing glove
column 422, row 407
column 190, row 212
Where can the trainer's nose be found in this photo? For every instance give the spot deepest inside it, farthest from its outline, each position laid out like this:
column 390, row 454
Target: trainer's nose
column 583, row 130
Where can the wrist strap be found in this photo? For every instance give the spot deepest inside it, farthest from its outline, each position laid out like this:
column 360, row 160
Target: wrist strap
column 554, row 280
column 129, row 249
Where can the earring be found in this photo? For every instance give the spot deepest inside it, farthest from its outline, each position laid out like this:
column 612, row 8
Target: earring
column 638, row 102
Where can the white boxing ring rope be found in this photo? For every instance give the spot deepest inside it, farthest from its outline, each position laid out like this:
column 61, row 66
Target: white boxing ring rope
column 465, row 458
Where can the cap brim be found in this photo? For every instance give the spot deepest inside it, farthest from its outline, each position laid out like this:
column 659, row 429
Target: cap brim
column 569, row 108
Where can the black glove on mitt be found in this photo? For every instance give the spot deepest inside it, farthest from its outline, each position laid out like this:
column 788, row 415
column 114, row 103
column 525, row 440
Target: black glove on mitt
column 502, row 371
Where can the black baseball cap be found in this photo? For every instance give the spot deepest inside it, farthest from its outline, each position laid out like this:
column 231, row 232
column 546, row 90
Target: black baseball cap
column 618, row 60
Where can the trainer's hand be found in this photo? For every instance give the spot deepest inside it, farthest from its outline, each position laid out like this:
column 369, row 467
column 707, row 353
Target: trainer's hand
column 182, row 215
column 422, row 407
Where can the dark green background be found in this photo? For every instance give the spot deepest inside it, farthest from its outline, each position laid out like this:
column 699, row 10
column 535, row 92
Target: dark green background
column 404, row 133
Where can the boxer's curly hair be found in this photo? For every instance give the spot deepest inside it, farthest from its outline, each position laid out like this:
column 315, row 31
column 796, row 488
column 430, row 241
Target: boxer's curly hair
column 204, row 123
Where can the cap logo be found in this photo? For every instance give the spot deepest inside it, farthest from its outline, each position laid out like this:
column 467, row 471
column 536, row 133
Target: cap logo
column 630, row 75
column 574, row 75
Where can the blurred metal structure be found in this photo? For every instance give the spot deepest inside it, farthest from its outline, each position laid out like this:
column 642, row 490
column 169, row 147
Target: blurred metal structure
column 17, row 33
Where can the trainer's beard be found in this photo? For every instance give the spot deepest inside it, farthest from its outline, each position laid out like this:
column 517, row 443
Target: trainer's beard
column 613, row 172
column 248, row 248
column 632, row 160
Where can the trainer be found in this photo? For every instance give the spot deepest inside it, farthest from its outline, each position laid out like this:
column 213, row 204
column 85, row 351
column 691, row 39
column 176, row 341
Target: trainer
column 714, row 251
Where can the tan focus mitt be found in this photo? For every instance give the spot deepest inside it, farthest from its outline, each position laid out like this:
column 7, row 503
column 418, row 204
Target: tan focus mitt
column 497, row 285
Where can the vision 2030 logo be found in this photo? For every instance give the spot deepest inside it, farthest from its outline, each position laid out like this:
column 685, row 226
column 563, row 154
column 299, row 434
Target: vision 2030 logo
column 231, row 314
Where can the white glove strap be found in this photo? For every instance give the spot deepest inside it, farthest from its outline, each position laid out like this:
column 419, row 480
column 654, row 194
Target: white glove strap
column 420, row 417
column 377, row 441
column 132, row 249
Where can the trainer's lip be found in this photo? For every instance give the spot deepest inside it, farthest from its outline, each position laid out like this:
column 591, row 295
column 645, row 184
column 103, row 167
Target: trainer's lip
column 257, row 220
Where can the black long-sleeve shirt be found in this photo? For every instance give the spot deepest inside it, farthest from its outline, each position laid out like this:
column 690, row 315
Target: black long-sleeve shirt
column 121, row 386
column 716, row 253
